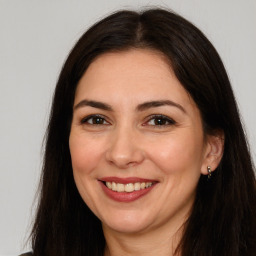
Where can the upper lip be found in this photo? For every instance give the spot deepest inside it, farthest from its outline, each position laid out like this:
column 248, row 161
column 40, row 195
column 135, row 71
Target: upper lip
column 126, row 180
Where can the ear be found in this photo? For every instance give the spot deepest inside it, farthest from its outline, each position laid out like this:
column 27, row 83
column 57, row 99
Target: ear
column 214, row 147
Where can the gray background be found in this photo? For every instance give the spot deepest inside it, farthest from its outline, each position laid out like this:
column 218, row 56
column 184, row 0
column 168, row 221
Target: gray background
column 35, row 39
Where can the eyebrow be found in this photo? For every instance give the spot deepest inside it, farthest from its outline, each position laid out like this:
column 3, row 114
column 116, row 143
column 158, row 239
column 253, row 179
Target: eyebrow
column 94, row 104
column 159, row 103
column 141, row 107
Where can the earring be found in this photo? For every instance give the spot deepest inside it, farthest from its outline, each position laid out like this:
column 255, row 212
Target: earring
column 209, row 172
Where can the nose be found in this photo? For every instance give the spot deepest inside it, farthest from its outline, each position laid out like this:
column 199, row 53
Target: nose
column 125, row 149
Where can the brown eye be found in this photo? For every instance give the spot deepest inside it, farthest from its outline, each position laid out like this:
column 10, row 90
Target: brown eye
column 94, row 120
column 160, row 120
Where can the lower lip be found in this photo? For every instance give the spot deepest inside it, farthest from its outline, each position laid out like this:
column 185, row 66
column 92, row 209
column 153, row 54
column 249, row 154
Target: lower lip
column 126, row 196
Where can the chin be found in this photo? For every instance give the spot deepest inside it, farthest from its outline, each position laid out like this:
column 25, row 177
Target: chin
column 130, row 223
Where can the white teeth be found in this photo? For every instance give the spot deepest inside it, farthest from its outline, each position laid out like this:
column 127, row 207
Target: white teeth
column 114, row 188
column 109, row 185
column 142, row 185
column 120, row 187
column 147, row 184
column 137, row 186
column 130, row 187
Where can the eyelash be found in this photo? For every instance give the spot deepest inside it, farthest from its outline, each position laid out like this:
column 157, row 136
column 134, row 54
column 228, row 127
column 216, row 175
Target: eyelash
column 161, row 118
column 94, row 117
column 89, row 120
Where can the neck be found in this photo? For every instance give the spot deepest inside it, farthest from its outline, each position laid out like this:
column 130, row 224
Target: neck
column 144, row 244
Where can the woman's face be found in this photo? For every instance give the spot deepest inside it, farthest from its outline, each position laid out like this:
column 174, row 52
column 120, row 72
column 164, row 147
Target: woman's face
column 136, row 142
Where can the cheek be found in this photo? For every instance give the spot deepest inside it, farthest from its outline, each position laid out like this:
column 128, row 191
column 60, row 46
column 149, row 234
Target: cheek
column 85, row 154
column 177, row 153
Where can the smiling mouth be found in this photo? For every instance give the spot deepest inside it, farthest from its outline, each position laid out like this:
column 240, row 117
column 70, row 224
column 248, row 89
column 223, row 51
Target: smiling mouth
column 129, row 187
column 126, row 189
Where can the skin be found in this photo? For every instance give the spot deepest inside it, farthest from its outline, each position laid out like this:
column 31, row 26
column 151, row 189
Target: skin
column 129, row 143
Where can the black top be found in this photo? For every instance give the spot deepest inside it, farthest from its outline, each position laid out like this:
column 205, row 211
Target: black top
column 27, row 254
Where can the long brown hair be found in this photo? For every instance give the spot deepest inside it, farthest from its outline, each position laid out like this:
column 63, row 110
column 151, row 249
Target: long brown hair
column 223, row 219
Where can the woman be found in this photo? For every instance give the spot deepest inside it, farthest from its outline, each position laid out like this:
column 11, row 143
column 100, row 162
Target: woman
column 145, row 152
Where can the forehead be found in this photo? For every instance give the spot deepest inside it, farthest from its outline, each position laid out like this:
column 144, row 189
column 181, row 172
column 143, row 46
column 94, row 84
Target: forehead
column 135, row 74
